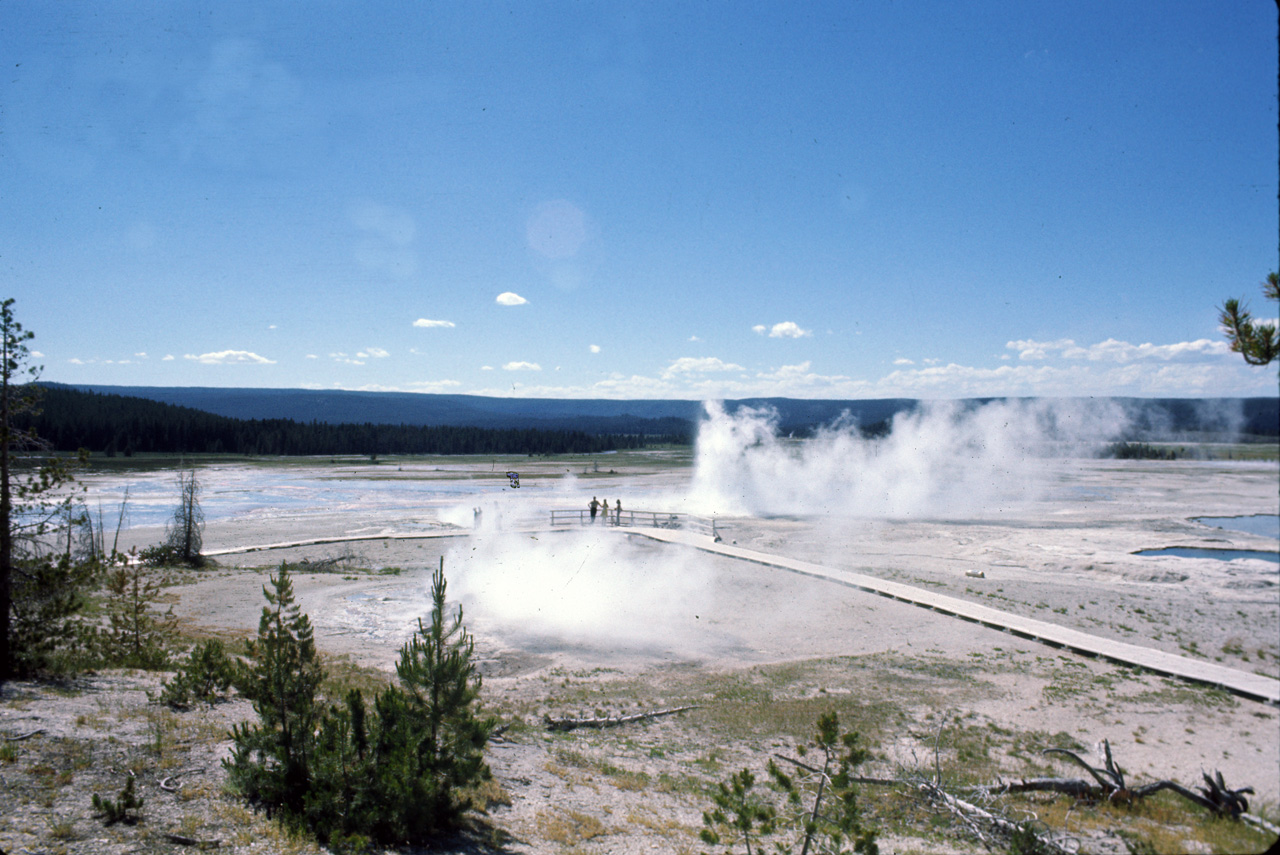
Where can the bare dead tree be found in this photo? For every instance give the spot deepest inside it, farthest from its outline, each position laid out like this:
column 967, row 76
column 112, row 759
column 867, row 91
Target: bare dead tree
column 185, row 532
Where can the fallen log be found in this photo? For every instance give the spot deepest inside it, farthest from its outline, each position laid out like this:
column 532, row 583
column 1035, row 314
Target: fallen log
column 23, row 736
column 170, row 788
column 183, row 840
column 565, row 724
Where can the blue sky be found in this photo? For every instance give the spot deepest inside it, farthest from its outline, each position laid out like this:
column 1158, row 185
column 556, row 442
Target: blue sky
column 641, row 200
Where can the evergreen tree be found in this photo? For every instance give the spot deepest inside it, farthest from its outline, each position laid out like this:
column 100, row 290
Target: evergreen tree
column 37, row 593
column 1258, row 343
column 397, row 773
column 270, row 762
column 136, row 637
column 442, row 687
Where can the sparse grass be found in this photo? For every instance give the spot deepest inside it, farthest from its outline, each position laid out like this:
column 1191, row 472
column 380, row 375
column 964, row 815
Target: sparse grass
column 569, row 827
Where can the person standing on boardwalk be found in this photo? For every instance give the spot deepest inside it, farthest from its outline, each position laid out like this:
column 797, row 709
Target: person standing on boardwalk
column 604, row 509
column 617, row 507
column 594, row 506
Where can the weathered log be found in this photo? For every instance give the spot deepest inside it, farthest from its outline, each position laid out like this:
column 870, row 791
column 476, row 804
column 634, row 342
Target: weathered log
column 564, row 724
column 183, row 840
column 169, row 788
column 23, row 736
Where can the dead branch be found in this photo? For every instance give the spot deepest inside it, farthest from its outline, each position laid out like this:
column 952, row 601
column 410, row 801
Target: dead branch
column 23, row 736
column 1110, row 778
column 565, row 724
column 183, row 840
column 975, row 818
column 170, row 788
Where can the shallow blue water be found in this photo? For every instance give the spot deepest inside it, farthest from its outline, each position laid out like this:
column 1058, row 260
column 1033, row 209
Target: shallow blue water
column 1219, row 554
column 1267, row 525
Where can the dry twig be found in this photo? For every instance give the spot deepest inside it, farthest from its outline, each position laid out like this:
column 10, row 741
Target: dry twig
column 563, row 724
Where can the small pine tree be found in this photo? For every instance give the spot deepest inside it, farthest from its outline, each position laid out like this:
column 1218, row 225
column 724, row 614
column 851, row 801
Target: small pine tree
column 819, row 807
column 126, row 808
column 136, row 637
column 440, row 678
column 205, row 676
column 270, row 762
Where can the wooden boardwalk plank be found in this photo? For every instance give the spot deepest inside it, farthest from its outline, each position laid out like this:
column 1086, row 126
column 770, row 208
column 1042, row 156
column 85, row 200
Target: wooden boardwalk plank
column 1254, row 686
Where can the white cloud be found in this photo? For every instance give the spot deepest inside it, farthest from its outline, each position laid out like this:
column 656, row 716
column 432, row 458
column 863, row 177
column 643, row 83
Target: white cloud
column 902, row 360
column 141, row 355
column 694, row 338
column 428, row 324
column 311, row 356
column 522, row 366
column 759, row 329
column 35, row 354
column 230, row 357
column 698, row 365
column 486, row 367
column 434, row 385
column 1113, row 350
column 373, row 353
column 595, row 348
column 76, row 361
column 788, row 329
column 509, row 298
column 168, row 357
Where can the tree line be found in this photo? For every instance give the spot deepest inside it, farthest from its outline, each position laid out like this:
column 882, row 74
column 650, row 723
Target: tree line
column 70, row 419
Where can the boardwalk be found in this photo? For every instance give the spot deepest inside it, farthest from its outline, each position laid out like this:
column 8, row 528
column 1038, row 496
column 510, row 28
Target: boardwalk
column 1253, row 686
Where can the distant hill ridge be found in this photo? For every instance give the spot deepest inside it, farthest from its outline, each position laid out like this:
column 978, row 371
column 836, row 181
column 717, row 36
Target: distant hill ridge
column 1155, row 417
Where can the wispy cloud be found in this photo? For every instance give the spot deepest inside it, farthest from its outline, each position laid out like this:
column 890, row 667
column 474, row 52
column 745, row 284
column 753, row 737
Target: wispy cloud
column 1113, row 350
column 433, row 385
column 522, row 366
column 510, row 298
column 429, row 324
column 230, row 357
column 786, row 329
column 373, row 353
column 386, row 238
column 35, row 354
column 595, row 348
column 698, row 365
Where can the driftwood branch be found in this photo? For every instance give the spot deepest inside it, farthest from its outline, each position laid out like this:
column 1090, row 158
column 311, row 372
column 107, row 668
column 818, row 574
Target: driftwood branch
column 564, row 724
column 23, row 736
column 183, row 840
column 171, row 788
column 976, row 819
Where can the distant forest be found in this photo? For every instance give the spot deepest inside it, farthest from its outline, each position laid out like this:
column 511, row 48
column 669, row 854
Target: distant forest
column 109, row 424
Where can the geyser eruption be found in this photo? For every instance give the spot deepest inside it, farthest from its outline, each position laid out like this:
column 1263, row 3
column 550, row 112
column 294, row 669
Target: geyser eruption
column 942, row 459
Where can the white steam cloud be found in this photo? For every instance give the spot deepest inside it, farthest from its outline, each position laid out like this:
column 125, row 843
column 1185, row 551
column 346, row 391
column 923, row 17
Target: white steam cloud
column 942, row 459
column 590, row 586
column 585, row 586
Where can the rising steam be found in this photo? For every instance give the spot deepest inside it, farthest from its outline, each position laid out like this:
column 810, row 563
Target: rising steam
column 942, row 459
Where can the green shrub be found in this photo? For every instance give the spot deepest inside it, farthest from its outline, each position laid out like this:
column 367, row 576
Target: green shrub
column 817, row 804
column 125, row 809
column 206, row 676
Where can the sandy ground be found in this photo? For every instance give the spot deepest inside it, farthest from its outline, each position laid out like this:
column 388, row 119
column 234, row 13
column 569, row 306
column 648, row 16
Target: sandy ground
column 1067, row 558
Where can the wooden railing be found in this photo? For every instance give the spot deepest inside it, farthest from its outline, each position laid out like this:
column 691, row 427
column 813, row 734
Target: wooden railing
column 644, row 519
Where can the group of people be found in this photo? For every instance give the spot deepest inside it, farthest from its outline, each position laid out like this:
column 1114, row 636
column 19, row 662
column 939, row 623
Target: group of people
column 598, row 507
